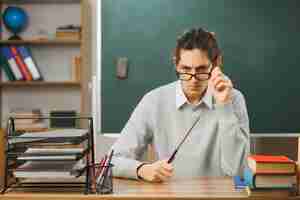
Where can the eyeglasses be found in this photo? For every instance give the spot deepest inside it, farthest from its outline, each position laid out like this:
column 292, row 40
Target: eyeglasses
column 199, row 76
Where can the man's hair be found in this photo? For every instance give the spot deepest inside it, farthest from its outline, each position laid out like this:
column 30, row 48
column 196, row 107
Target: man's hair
column 198, row 38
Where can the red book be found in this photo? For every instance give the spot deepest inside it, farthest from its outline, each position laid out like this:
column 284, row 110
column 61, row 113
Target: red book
column 268, row 164
column 22, row 66
column 268, row 158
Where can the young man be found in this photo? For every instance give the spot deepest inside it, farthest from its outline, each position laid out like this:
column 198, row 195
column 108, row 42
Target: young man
column 219, row 142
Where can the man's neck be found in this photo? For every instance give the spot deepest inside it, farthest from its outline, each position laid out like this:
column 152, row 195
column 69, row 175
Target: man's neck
column 195, row 99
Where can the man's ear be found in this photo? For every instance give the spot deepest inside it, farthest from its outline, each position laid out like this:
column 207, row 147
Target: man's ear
column 175, row 67
column 174, row 60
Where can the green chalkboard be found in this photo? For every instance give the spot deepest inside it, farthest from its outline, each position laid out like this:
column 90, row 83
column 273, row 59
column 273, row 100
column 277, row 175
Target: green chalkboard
column 260, row 40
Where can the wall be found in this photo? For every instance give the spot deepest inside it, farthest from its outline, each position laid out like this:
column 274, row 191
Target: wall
column 260, row 44
column 273, row 39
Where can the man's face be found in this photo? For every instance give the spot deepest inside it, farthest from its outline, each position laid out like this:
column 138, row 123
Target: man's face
column 194, row 62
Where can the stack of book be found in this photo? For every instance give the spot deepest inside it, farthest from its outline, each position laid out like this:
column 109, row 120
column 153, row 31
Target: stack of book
column 270, row 176
column 18, row 63
column 69, row 32
column 28, row 120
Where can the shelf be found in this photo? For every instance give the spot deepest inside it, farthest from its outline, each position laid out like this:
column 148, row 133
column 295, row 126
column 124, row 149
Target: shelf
column 39, row 83
column 39, row 1
column 42, row 42
column 59, row 59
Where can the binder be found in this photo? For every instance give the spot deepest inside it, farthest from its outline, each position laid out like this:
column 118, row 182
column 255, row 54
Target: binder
column 5, row 66
column 23, row 68
column 12, row 63
column 29, row 61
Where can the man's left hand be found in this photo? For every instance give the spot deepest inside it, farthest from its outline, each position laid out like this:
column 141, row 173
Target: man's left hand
column 222, row 86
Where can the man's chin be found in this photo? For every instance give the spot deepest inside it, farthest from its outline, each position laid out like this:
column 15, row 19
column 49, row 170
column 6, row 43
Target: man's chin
column 196, row 91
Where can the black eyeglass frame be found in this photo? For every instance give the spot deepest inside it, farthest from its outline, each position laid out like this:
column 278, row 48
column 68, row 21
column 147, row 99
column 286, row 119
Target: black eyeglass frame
column 194, row 75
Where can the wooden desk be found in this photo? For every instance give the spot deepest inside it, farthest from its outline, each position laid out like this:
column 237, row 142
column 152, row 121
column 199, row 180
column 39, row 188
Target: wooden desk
column 197, row 188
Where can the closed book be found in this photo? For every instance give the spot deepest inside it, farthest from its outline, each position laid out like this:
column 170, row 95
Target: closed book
column 26, row 118
column 276, row 193
column 12, row 63
column 264, row 164
column 32, row 127
column 68, row 30
column 68, row 35
column 5, row 66
column 28, row 59
column 269, row 181
column 72, row 28
column 76, row 62
column 21, row 64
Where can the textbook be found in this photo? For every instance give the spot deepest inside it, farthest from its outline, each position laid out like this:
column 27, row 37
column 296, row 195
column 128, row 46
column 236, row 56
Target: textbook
column 269, row 181
column 262, row 164
column 276, row 193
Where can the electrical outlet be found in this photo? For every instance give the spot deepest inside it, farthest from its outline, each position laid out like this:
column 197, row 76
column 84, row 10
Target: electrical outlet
column 122, row 68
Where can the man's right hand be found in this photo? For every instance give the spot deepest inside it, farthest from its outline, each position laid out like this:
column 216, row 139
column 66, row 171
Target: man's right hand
column 158, row 171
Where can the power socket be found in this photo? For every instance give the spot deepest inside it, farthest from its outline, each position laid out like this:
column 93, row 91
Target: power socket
column 122, row 68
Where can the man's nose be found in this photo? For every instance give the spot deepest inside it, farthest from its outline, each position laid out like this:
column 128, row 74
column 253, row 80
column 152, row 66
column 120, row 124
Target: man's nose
column 194, row 77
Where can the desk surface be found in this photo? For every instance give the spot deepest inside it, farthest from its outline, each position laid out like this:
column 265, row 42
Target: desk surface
column 197, row 188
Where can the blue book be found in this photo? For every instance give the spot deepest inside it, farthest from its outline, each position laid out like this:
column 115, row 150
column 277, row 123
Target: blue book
column 28, row 60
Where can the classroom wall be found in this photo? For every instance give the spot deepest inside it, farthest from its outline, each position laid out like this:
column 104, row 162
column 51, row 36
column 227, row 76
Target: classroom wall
column 285, row 28
column 260, row 41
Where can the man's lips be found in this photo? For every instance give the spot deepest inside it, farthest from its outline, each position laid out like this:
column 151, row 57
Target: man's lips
column 195, row 86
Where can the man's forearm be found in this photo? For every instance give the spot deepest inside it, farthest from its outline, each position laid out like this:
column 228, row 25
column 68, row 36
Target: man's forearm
column 234, row 141
column 125, row 167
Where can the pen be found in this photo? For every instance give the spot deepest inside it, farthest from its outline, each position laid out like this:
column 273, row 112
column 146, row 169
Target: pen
column 106, row 168
column 101, row 169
